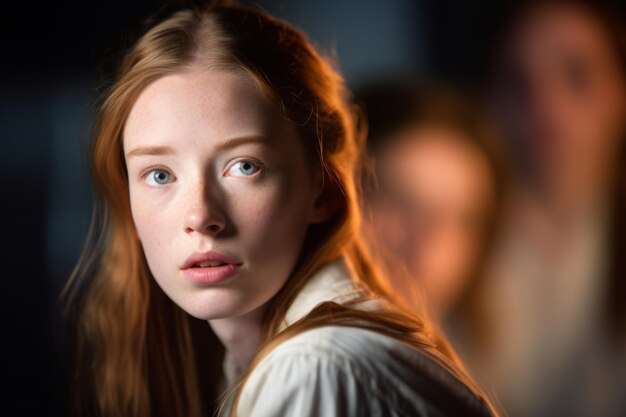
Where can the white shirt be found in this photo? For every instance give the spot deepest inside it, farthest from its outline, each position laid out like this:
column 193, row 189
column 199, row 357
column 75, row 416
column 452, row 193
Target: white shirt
column 347, row 371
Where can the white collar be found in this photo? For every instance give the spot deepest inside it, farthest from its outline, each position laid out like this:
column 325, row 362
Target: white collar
column 332, row 282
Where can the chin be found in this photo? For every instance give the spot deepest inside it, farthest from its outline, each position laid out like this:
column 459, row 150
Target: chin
column 214, row 304
column 207, row 315
column 203, row 311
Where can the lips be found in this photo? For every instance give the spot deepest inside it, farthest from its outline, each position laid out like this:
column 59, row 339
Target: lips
column 208, row 259
column 208, row 264
column 209, row 267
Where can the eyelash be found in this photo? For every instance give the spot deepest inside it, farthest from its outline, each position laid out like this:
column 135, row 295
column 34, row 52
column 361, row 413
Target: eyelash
column 144, row 173
column 255, row 161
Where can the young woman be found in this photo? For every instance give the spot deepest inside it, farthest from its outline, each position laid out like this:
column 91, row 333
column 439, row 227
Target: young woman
column 435, row 204
column 225, row 154
column 559, row 92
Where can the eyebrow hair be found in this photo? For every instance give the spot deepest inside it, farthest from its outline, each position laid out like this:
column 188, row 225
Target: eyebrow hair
column 150, row 150
column 166, row 150
column 233, row 142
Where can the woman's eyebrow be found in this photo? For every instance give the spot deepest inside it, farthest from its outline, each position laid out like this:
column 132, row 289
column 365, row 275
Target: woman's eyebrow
column 149, row 150
column 166, row 150
column 233, row 142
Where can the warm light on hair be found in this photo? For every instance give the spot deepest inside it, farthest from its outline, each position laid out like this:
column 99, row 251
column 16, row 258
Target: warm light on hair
column 136, row 347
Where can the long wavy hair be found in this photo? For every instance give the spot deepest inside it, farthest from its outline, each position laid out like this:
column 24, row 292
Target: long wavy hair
column 136, row 352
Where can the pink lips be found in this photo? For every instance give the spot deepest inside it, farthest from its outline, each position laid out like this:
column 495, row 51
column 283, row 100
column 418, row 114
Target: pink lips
column 209, row 267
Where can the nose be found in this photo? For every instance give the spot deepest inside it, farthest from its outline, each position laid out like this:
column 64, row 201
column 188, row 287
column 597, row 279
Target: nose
column 203, row 215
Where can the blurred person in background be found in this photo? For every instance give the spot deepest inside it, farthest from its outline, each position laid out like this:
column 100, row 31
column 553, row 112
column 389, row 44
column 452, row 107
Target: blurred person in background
column 433, row 203
column 558, row 89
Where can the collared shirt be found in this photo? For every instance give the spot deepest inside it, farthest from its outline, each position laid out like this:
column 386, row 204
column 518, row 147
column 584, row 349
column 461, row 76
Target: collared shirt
column 334, row 371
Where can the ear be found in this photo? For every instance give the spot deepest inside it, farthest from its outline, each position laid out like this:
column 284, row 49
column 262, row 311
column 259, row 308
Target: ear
column 326, row 201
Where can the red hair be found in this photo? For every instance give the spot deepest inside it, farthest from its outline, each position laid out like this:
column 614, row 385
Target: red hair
column 141, row 347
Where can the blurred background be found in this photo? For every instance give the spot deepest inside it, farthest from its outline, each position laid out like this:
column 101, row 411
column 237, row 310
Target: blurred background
column 498, row 129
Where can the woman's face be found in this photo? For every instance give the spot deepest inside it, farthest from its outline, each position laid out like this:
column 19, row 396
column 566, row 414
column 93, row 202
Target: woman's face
column 216, row 172
column 560, row 92
column 437, row 191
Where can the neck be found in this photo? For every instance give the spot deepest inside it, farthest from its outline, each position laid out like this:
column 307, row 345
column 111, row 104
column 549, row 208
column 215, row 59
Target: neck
column 241, row 336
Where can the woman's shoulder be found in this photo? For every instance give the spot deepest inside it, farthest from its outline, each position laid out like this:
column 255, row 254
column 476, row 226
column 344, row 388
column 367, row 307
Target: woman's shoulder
column 348, row 370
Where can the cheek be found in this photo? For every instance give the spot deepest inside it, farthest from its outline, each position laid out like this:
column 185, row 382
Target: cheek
column 273, row 218
column 446, row 265
column 145, row 223
column 594, row 119
column 254, row 210
column 155, row 226
column 392, row 228
column 609, row 116
column 446, row 254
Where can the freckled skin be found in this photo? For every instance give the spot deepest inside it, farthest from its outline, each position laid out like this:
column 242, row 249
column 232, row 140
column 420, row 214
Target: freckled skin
column 209, row 203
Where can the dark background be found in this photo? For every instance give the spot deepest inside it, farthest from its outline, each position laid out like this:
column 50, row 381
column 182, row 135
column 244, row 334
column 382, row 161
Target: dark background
column 54, row 57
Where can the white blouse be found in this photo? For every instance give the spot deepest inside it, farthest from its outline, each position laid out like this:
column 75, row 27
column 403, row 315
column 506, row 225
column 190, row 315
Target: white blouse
column 336, row 371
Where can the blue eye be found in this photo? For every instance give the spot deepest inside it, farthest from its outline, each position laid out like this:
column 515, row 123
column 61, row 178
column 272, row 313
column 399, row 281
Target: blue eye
column 243, row 168
column 158, row 177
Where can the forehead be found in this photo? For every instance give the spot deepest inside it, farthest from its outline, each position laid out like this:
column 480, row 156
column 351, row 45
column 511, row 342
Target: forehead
column 207, row 105
column 560, row 27
column 436, row 161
